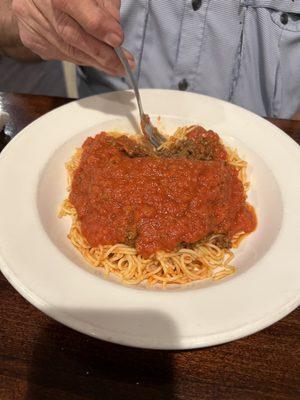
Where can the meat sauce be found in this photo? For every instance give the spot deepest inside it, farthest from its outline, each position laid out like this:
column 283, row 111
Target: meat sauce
column 158, row 202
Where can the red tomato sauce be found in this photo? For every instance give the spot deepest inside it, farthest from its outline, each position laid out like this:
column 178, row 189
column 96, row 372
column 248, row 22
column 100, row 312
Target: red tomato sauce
column 156, row 203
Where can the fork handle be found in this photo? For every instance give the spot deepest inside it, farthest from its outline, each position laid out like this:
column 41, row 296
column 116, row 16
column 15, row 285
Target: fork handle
column 131, row 78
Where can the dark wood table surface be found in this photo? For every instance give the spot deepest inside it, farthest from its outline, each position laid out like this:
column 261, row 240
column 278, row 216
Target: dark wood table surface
column 42, row 359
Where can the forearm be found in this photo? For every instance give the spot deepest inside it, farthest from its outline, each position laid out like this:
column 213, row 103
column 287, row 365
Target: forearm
column 10, row 43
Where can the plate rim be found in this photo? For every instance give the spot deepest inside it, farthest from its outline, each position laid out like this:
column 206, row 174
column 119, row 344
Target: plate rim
column 138, row 342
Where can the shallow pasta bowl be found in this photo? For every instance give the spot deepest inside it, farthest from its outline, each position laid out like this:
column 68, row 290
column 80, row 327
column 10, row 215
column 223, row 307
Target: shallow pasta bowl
column 39, row 261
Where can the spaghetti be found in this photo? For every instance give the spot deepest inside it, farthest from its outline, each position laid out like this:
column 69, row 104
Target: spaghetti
column 209, row 257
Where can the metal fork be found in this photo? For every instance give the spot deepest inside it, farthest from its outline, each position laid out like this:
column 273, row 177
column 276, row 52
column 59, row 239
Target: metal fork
column 150, row 131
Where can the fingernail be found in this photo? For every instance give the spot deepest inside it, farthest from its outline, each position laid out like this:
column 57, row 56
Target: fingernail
column 113, row 40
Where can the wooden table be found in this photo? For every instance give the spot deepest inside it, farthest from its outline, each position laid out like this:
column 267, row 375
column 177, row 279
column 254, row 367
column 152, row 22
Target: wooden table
column 42, row 359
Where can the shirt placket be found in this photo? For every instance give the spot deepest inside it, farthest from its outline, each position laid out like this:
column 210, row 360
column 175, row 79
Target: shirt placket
column 189, row 45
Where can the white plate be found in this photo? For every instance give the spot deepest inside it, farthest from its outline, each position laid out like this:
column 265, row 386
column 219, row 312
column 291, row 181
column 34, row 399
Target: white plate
column 41, row 264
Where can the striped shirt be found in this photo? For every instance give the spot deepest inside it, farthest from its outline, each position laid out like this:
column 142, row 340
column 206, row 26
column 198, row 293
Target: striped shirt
column 243, row 51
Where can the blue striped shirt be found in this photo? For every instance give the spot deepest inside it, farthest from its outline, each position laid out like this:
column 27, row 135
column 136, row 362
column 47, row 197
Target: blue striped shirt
column 243, row 51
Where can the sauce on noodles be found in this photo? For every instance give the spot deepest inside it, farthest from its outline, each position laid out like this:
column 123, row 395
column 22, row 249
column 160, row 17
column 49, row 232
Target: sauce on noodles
column 124, row 193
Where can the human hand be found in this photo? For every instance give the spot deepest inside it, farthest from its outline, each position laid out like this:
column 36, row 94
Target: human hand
column 83, row 32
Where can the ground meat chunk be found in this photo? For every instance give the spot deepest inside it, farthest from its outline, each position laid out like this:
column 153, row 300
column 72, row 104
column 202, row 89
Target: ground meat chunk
column 186, row 148
column 223, row 242
column 130, row 236
column 198, row 144
column 133, row 148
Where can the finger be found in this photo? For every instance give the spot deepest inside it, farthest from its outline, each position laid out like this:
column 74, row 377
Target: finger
column 49, row 51
column 40, row 20
column 94, row 20
column 74, row 35
column 37, row 44
column 42, row 28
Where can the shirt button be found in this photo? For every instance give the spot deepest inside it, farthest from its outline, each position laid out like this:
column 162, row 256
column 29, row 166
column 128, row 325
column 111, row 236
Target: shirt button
column 183, row 85
column 284, row 18
column 196, row 4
